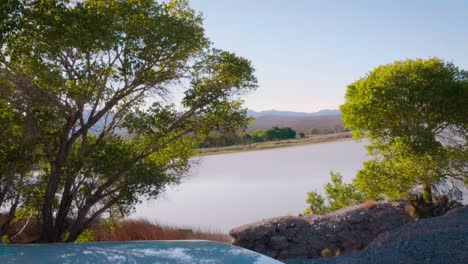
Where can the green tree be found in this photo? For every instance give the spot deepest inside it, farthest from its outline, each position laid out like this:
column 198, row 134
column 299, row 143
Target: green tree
column 337, row 195
column 258, row 136
column 277, row 133
column 82, row 72
column 413, row 113
column 274, row 133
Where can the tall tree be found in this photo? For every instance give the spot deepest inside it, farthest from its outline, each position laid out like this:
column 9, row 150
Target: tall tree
column 413, row 113
column 99, row 81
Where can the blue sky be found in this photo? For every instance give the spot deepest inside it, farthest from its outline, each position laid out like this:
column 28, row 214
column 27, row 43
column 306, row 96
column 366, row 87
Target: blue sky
column 305, row 52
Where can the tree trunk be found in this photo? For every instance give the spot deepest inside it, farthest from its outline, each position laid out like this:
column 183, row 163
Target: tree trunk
column 64, row 208
column 48, row 234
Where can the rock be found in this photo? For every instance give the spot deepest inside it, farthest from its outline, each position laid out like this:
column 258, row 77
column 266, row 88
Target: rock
column 442, row 239
column 278, row 242
column 455, row 220
column 346, row 230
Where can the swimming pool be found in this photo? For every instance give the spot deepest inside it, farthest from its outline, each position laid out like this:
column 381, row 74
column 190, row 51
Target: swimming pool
column 131, row 252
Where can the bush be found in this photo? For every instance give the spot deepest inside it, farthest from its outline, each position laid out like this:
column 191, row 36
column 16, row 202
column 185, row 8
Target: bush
column 274, row 133
column 338, row 195
column 317, row 204
column 86, row 236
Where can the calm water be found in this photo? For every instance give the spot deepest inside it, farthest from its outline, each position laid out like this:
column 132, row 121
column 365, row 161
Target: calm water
column 225, row 191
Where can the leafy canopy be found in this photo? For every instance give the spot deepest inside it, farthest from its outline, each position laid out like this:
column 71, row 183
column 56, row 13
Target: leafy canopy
column 413, row 113
column 116, row 94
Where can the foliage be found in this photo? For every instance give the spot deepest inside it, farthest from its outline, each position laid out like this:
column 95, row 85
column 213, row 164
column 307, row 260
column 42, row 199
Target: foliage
column 224, row 139
column 413, row 113
column 86, row 236
column 317, row 204
column 17, row 155
column 394, row 174
column 338, row 195
column 326, row 252
column 280, row 133
column 75, row 74
column 5, row 239
column 274, row 133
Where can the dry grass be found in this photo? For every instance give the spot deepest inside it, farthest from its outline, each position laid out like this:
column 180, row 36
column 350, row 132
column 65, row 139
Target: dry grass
column 290, row 215
column 141, row 229
column 125, row 230
column 369, row 204
column 19, row 232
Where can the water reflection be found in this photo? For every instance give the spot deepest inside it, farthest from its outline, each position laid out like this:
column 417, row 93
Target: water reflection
column 225, row 191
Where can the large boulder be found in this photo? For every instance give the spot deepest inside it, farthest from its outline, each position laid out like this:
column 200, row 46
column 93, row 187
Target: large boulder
column 454, row 221
column 346, row 230
column 442, row 239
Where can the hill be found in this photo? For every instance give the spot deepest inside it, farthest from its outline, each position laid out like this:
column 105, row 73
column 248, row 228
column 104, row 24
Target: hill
column 324, row 121
column 321, row 122
column 324, row 112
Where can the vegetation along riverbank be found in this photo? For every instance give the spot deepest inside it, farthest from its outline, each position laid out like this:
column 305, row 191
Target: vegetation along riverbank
column 311, row 139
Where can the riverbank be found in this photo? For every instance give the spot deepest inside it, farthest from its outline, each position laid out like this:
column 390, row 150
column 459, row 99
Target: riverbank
column 312, row 139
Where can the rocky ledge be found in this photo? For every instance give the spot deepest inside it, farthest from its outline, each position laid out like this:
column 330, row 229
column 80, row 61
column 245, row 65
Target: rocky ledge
column 442, row 239
column 346, row 230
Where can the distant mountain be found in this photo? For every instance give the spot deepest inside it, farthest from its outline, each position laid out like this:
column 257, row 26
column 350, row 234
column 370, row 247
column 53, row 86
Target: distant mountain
column 324, row 121
column 325, row 112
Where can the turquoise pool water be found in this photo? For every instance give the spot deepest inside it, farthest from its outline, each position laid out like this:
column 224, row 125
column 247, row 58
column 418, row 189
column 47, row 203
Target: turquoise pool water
column 132, row 252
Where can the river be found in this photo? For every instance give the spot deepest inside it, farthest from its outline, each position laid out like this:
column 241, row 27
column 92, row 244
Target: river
column 227, row 190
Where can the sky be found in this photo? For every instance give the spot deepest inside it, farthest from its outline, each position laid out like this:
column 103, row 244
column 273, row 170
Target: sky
column 305, row 52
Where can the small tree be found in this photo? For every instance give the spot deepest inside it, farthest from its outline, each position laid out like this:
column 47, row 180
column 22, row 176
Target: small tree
column 413, row 113
column 276, row 133
column 337, row 195
column 98, row 82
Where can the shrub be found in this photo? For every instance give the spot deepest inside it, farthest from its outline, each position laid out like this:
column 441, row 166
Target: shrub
column 317, row 204
column 325, row 253
column 338, row 195
column 86, row 236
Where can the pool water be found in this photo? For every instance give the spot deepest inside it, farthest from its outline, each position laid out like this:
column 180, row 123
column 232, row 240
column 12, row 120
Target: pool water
column 131, row 252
